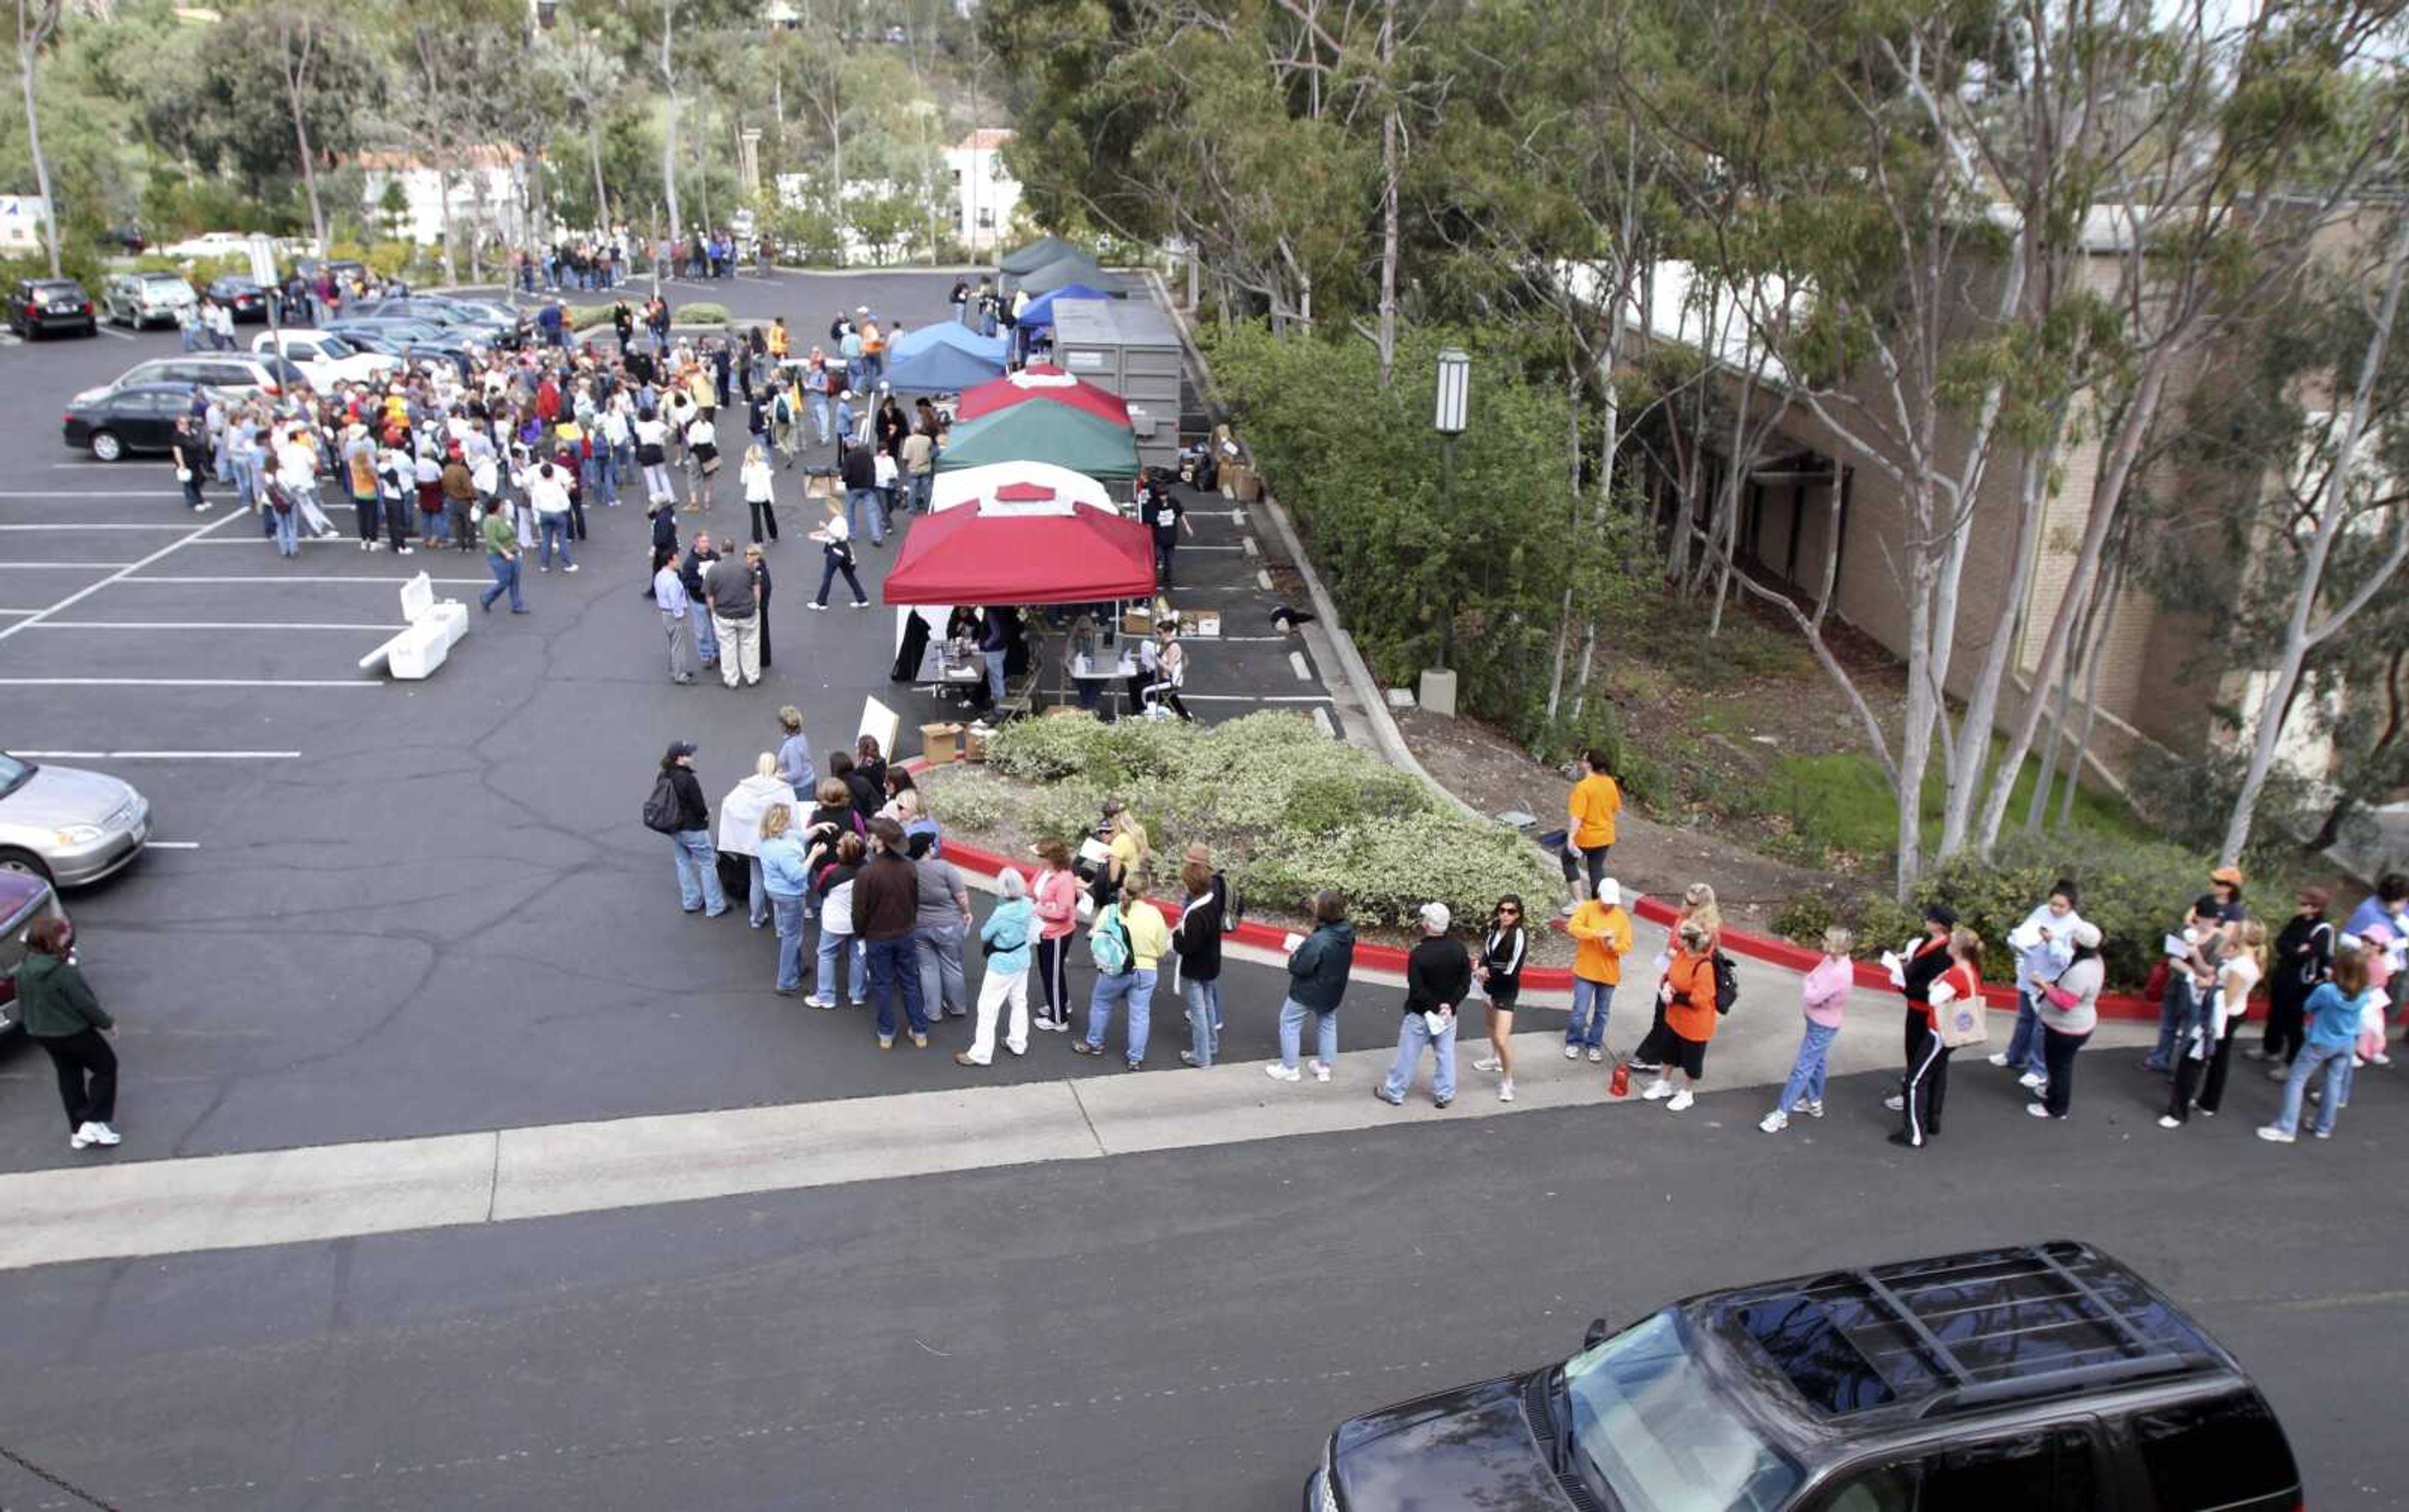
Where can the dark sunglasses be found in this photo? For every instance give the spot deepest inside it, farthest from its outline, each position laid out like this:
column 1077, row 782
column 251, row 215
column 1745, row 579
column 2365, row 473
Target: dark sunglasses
column 1510, row 910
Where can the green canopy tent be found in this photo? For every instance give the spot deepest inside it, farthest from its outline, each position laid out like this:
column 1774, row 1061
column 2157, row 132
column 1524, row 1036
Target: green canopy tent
column 1062, row 273
column 1054, row 433
column 1035, row 255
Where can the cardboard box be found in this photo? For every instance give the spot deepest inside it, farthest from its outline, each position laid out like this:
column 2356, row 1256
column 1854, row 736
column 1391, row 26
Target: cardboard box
column 940, row 744
column 1138, row 622
column 975, row 742
column 1206, row 623
column 1240, row 484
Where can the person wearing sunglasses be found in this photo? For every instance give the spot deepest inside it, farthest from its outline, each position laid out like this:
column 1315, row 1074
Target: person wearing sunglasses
column 1499, row 972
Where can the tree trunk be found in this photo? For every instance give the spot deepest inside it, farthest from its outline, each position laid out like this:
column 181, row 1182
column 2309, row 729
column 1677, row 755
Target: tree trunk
column 594, row 159
column 2111, row 587
column 33, row 23
column 443, row 202
column 669, row 123
column 2303, row 631
column 297, row 74
column 1990, row 678
column 1389, row 233
column 2330, row 833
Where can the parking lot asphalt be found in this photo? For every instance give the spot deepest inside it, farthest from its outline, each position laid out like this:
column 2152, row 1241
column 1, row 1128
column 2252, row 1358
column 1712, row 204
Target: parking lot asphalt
column 386, row 908
column 1169, row 1331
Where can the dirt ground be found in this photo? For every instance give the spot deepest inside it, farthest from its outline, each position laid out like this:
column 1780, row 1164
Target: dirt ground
column 1488, row 770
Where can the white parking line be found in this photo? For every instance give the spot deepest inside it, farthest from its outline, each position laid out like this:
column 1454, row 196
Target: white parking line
column 123, row 572
column 306, row 577
column 1257, row 697
column 91, row 492
column 121, row 336
column 1248, row 544
column 213, row 625
column 95, row 525
column 180, row 682
column 172, row 846
column 81, row 566
column 161, row 756
column 1263, row 580
column 1296, row 664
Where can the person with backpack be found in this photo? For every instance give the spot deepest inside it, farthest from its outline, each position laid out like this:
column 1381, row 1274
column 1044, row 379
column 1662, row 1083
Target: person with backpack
column 1601, row 933
column 1500, row 973
column 838, row 857
column 1439, row 976
column 677, row 810
column 1690, row 997
column 1127, row 942
column 1197, row 939
column 2302, row 957
column 1054, row 899
column 1318, row 970
column 1005, row 939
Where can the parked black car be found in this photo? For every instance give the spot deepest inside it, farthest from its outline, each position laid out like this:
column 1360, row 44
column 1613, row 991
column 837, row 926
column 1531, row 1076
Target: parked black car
column 241, row 294
column 38, row 306
column 129, row 418
column 2047, row 1379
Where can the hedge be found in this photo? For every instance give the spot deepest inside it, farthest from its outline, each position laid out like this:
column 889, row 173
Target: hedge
column 1286, row 810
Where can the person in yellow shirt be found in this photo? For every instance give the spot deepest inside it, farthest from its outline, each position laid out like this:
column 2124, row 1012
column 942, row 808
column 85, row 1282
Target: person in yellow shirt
column 1601, row 932
column 1589, row 833
column 1129, row 939
column 780, row 342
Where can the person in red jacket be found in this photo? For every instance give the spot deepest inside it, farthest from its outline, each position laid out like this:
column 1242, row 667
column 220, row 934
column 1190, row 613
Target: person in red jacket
column 1055, row 893
column 1688, row 996
column 1942, row 970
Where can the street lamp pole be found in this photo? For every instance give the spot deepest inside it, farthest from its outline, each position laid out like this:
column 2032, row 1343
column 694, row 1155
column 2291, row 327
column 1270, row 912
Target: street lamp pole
column 1448, row 419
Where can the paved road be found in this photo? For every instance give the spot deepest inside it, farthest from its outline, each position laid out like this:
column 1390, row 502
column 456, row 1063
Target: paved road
column 1168, row 1330
column 430, row 906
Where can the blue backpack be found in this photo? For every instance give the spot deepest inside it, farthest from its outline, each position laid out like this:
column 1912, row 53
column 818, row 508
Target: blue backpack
column 1110, row 947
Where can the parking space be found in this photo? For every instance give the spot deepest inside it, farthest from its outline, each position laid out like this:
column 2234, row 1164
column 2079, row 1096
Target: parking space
column 382, row 908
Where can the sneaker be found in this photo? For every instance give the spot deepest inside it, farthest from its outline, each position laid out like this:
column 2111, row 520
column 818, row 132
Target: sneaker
column 1382, row 1093
column 1999, row 1059
column 1506, row 1091
column 2168, row 1120
column 1283, row 1073
column 816, row 1000
column 1572, row 1052
column 1566, row 911
column 1680, row 1100
column 861, row 603
column 1321, row 1070
column 2279, row 1073
column 2037, row 1110
column 919, row 1042
column 1658, row 1090
column 962, row 1058
column 1774, row 1122
column 1188, row 1057
column 1895, row 1102
column 81, row 1138
column 1488, row 1063
column 817, row 607
column 1899, row 1138
column 2379, row 1058
column 2032, row 1081
column 886, row 1042
column 1081, row 1048
column 1596, row 1055
column 1812, row 1108
column 2321, row 1133
column 1442, row 1103
column 103, row 1134
column 570, row 567
column 1136, row 1065
column 2254, row 1052
column 2273, row 1135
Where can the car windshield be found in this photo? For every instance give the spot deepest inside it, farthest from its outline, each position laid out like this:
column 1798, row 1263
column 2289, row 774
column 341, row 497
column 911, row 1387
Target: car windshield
column 13, row 773
column 1654, row 1428
column 335, row 346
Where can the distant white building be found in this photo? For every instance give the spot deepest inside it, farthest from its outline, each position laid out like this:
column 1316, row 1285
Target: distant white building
column 488, row 192
column 985, row 192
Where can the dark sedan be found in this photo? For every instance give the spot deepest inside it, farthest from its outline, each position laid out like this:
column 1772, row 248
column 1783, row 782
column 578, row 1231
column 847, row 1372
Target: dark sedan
column 409, row 340
column 39, row 306
column 129, row 418
column 243, row 296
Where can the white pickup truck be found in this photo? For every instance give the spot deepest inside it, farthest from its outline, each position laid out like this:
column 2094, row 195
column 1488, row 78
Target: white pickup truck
column 326, row 359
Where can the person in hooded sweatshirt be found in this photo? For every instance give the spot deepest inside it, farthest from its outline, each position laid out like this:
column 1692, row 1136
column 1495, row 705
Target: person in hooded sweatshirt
column 1439, row 976
column 61, row 1014
column 1317, row 984
column 1196, row 940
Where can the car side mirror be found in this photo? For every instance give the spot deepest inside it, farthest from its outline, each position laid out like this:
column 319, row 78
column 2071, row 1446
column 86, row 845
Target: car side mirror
column 1597, row 1334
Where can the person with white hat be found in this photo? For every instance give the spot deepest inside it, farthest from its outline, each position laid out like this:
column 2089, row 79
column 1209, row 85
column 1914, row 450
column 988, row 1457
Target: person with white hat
column 1438, row 975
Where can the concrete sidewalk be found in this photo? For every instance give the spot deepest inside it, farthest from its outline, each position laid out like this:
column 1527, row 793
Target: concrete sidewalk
column 332, row 1191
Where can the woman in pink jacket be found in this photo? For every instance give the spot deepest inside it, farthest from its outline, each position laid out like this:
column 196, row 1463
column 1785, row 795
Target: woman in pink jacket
column 1822, row 995
column 1055, row 893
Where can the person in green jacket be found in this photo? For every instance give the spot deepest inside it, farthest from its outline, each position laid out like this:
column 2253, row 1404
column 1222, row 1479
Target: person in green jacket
column 502, row 557
column 1318, row 969
column 68, row 1021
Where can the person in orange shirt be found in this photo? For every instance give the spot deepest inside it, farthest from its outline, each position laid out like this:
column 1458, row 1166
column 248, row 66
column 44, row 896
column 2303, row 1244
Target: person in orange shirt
column 1680, row 1043
column 1601, row 932
column 1589, row 833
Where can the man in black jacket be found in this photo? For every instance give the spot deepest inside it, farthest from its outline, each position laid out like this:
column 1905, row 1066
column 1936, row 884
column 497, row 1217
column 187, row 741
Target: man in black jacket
column 860, row 469
column 697, row 861
column 1439, row 974
column 1196, row 940
column 885, row 906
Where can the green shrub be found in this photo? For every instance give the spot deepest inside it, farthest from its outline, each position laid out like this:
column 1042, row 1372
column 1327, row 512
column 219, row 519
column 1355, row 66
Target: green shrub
column 1804, row 918
column 972, row 801
column 701, row 312
column 1042, row 749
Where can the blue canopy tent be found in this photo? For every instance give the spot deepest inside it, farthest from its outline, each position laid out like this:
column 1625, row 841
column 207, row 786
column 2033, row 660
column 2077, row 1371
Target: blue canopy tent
column 1041, row 310
column 942, row 358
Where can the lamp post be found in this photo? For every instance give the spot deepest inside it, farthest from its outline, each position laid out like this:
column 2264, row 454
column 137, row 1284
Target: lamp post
column 1447, row 418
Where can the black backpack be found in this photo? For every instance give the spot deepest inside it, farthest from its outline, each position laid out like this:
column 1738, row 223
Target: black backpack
column 1726, row 983
column 661, row 809
column 1234, row 907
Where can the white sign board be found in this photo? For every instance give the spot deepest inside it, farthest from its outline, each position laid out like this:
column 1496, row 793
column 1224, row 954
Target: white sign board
column 262, row 262
column 1085, row 361
column 881, row 722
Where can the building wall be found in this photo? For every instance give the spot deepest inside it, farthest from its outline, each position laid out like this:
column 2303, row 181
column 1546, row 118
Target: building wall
column 986, row 194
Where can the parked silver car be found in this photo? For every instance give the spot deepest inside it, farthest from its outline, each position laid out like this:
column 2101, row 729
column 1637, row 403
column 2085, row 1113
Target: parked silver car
column 136, row 299
column 67, row 825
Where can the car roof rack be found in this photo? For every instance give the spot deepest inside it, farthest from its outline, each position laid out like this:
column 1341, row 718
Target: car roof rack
column 1983, row 1328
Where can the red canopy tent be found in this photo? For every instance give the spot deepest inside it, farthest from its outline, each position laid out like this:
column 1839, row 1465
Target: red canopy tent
column 1027, row 549
column 1041, row 381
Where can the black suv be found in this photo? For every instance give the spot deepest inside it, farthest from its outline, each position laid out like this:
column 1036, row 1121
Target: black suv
column 2048, row 1378
column 39, row 305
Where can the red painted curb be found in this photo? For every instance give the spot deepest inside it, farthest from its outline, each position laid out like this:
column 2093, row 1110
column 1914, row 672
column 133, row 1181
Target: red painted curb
column 1774, row 951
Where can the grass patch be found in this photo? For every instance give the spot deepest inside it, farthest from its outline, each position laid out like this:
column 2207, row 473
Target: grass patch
column 1841, row 804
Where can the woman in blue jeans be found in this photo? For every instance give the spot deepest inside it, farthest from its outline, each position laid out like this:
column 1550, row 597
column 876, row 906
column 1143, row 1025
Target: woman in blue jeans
column 1317, row 984
column 784, row 878
column 832, row 880
column 1821, row 997
column 2333, row 1011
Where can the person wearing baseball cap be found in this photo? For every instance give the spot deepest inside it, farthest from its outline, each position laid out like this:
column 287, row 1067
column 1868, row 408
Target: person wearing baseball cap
column 1438, row 975
column 687, row 823
column 2211, row 915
